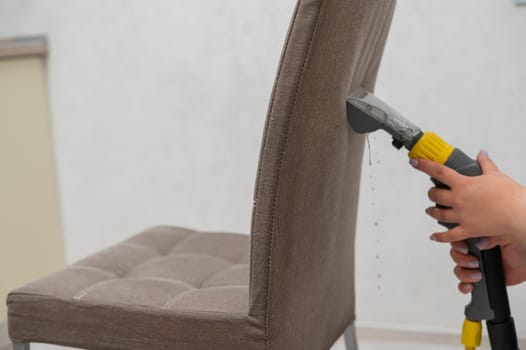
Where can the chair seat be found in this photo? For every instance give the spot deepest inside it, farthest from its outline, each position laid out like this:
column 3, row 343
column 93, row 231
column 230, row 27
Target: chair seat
column 165, row 288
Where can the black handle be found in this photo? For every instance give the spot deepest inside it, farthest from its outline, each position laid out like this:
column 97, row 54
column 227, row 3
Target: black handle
column 501, row 328
column 479, row 307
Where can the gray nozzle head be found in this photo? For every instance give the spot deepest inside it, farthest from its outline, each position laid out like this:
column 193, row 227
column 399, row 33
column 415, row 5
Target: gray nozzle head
column 367, row 113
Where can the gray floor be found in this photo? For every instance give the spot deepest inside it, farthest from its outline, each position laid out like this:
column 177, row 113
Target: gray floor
column 369, row 339
column 365, row 344
column 371, row 344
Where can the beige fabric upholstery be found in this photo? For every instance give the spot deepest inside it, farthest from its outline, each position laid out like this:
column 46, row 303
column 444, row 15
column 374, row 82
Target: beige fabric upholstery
column 165, row 286
column 173, row 288
column 302, row 277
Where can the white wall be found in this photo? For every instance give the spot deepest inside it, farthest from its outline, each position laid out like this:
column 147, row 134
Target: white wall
column 458, row 68
column 158, row 109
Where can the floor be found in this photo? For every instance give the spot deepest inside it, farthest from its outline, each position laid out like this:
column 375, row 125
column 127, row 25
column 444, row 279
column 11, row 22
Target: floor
column 369, row 339
column 365, row 344
column 370, row 344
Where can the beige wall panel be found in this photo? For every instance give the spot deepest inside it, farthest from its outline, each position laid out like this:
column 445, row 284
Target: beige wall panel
column 30, row 232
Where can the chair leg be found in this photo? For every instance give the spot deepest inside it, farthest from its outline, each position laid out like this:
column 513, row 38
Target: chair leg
column 350, row 338
column 21, row 346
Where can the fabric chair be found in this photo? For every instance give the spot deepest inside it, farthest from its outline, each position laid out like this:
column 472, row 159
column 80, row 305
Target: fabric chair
column 290, row 284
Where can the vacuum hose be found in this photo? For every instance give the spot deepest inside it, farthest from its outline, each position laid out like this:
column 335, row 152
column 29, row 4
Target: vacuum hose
column 489, row 296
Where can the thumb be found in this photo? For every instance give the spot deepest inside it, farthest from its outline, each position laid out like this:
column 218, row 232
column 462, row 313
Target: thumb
column 486, row 163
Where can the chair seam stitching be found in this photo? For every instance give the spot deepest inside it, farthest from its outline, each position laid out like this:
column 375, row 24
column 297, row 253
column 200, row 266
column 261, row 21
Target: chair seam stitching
column 176, row 298
column 272, row 99
column 265, row 139
column 277, row 182
column 82, row 293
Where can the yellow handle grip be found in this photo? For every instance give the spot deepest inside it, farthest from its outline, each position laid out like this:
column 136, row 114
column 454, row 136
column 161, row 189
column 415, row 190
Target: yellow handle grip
column 432, row 147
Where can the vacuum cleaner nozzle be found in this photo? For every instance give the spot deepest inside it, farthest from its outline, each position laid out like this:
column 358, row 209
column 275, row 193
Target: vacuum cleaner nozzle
column 367, row 113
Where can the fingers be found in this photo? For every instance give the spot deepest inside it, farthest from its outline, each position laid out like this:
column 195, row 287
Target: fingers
column 438, row 171
column 486, row 163
column 485, row 243
column 443, row 214
column 457, row 233
column 461, row 247
column 465, row 288
column 464, row 260
column 441, row 196
column 467, row 275
column 466, row 264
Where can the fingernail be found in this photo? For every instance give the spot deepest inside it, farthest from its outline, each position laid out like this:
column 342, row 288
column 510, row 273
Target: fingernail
column 432, row 237
column 462, row 250
column 477, row 276
column 482, row 243
column 428, row 210
column 484, row 152
column 413, row 162
column 473, row 264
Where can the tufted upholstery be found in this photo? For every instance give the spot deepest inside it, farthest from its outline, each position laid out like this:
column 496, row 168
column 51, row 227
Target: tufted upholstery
column 172, row 288
column 162, row 270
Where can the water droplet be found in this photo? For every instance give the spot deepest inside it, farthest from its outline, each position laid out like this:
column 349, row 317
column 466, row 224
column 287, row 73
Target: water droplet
column 375, row 223
column 379, row 288
column 379, row 275
column 369, row 148
column 372, row 188
column 377, row 257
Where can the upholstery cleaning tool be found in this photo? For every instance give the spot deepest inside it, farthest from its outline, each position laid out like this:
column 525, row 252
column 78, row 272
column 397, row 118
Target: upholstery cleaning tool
column 489, row 299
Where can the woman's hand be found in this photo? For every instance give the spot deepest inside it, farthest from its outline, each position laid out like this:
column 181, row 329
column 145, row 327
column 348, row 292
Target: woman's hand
column 491, row 205
column 513, row 263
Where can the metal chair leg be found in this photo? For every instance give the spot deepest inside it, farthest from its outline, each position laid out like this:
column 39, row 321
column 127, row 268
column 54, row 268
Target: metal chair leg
column 21, row 346
column 350, row 338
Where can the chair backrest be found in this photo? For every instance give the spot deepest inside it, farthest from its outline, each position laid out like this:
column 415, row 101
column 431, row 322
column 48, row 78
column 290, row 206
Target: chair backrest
column 305, row 205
